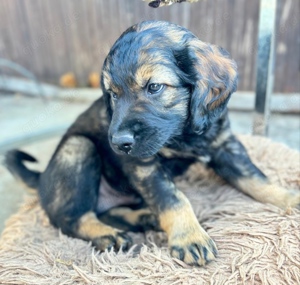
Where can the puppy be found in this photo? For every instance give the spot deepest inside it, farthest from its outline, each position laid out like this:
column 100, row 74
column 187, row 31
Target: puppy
column 163, row 107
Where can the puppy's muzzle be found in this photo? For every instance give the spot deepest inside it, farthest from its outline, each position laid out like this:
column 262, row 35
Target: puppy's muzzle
column 123, row 141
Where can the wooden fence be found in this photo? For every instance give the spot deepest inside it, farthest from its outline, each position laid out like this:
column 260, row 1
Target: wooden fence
column 52, row 37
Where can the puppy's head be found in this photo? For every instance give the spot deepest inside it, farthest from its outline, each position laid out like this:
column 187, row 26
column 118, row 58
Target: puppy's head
column 160, row 80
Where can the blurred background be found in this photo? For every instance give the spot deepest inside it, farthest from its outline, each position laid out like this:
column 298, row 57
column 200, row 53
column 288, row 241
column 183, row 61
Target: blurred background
column 51, row 53
column 53, row 37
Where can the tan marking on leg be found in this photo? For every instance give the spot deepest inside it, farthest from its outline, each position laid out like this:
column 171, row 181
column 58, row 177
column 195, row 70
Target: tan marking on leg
column 268, row 193
column 129, row 215
column 185, row 234
column 102, row 236
column 74, row 149
column 181, row 216
column 144, row 171
column 90, row 227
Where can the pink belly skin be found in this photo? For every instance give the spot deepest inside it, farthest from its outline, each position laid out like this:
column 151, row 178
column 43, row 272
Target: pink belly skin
column 109, row 198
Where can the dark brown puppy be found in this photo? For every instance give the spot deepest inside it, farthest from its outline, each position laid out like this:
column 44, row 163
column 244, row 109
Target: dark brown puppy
column 163, row 108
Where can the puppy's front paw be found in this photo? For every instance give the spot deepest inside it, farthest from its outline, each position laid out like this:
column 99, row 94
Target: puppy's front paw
column 194, row 247
column 116, row 241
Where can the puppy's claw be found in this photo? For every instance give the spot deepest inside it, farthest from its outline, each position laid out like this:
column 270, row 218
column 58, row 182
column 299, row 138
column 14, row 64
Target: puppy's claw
column 120, row 240
column 194, row 250
column 123, row 241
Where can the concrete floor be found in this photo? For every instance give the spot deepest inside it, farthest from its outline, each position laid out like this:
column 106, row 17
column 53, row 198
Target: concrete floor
column 22, row 118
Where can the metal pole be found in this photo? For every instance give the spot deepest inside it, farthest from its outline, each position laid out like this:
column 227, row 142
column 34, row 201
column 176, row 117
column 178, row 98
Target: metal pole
column 264, row 66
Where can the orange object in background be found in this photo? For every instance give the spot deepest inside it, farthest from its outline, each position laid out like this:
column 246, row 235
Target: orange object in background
column 94, row 80
column 68, row 80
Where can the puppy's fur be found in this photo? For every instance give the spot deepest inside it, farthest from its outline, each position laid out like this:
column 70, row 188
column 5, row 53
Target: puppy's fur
column 163, row 108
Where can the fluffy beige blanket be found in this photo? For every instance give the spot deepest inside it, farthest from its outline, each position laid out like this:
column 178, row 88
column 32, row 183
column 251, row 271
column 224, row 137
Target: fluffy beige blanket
column 258, row 244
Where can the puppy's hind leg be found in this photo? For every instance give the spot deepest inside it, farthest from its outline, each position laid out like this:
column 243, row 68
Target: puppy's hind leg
column 231, row 161
column 69, row 193
column 125, row 218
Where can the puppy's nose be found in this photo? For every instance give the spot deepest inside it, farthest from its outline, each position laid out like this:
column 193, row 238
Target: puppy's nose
column 123, row 141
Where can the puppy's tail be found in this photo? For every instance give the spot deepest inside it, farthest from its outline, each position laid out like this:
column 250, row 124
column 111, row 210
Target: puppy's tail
column 14, row 163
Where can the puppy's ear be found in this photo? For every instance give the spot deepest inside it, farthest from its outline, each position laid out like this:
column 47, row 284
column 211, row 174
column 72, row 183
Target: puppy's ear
column 107, row 101
column 106, row 96
column 215, row 79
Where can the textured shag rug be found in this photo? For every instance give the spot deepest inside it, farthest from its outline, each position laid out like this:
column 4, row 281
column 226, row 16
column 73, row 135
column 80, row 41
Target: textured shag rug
column 258, row 244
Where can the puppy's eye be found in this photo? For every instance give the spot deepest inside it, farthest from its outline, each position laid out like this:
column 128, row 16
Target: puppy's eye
column 155, row 88
column 113, row 95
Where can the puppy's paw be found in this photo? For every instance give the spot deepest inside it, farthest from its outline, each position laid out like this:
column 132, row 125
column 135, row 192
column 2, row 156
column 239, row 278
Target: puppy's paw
column 293, row 198
column 284, row 198
column 116, row 241
column 194, row 247
column 264, row 192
